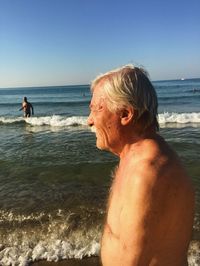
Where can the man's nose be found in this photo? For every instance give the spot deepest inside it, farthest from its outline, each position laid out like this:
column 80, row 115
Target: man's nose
column 90, row 120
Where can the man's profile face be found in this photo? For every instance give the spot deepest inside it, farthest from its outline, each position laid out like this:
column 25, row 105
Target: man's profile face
column 102, row 121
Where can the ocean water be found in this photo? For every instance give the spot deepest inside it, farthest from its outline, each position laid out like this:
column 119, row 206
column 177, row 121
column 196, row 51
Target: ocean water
column 54, row 182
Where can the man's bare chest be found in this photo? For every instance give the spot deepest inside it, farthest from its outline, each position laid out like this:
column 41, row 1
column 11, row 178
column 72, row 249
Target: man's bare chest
column 115, row 206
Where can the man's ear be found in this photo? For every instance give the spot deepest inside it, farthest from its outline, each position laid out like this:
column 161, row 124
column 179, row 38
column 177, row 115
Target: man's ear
column 127, row 115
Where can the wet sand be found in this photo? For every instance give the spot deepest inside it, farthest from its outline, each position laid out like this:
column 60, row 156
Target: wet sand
column 94, row 261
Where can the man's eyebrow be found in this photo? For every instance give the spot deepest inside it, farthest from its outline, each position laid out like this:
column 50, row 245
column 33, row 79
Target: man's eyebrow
column 94, row 104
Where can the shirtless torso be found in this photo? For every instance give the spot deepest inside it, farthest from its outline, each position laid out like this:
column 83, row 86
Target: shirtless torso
column 150, row 209
column 27, row 108
column 151, row 204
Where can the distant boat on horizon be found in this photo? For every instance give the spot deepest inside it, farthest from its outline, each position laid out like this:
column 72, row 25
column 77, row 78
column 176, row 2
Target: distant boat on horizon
column 182, row 78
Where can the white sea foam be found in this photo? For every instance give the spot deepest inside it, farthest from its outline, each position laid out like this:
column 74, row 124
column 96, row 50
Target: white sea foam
column 182, row 118
column 51, row 239
column 11, row 120
column 50, row 250
column 55, row 240
column 56, row 249
column 194, row 254
column 57, row 121
column 6, row 216
column 52, row 121
column 165, row 120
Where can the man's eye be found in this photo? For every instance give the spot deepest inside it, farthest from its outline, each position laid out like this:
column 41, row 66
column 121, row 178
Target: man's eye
column 96, row 108
column 100, row 107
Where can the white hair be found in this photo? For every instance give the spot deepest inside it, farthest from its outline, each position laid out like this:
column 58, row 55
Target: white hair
column 130, row 86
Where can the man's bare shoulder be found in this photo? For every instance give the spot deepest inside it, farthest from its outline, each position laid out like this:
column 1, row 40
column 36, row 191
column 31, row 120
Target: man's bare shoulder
column 156, row 183
column 153, row 202
column 151, row 156
column 154, row 149
column 153, row 164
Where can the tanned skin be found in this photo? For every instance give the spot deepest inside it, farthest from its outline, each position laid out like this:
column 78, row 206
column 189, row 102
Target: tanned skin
column 151, row 203
column 27, row 108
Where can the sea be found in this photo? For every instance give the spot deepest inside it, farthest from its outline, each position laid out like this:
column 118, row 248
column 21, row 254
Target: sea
column 54, row 182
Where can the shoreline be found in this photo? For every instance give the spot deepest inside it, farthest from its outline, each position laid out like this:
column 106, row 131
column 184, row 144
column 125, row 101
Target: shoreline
column 92, row 261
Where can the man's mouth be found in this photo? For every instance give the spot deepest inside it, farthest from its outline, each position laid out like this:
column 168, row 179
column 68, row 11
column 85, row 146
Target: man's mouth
column 93, row 129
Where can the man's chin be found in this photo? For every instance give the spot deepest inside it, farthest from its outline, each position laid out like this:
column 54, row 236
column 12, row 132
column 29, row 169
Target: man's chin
column 101, row 146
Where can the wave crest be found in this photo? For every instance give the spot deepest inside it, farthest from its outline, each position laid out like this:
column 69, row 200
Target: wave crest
column 165, row 119
column 57, row 236
column 53, row 121
column 179, row 118
column 57, row 121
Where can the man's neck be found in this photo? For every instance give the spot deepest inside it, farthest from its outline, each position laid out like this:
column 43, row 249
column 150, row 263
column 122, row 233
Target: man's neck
column 131, row 138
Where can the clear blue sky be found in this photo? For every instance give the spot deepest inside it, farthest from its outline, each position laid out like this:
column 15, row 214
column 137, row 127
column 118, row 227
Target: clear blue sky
column 58, row 42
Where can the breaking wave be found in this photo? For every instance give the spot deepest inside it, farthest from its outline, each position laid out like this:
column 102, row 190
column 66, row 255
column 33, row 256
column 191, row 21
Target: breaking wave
column 55, row 237
column 179, row 118
column 25, row 239
column 165, row 119
column 53, row 121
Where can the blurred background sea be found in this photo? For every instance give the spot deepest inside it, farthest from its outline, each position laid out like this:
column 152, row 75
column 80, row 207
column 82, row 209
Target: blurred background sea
column 54, row 182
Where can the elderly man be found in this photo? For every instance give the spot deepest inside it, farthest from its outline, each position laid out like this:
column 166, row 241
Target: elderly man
column 151, row 203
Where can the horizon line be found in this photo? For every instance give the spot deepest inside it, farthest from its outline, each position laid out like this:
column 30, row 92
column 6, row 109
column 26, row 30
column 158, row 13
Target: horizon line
column 74, row 85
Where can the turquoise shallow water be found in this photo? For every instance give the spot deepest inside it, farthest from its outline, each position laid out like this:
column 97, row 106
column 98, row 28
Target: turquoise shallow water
column 54, row 182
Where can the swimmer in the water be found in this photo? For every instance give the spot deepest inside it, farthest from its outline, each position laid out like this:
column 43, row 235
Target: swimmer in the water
column 27, row 108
